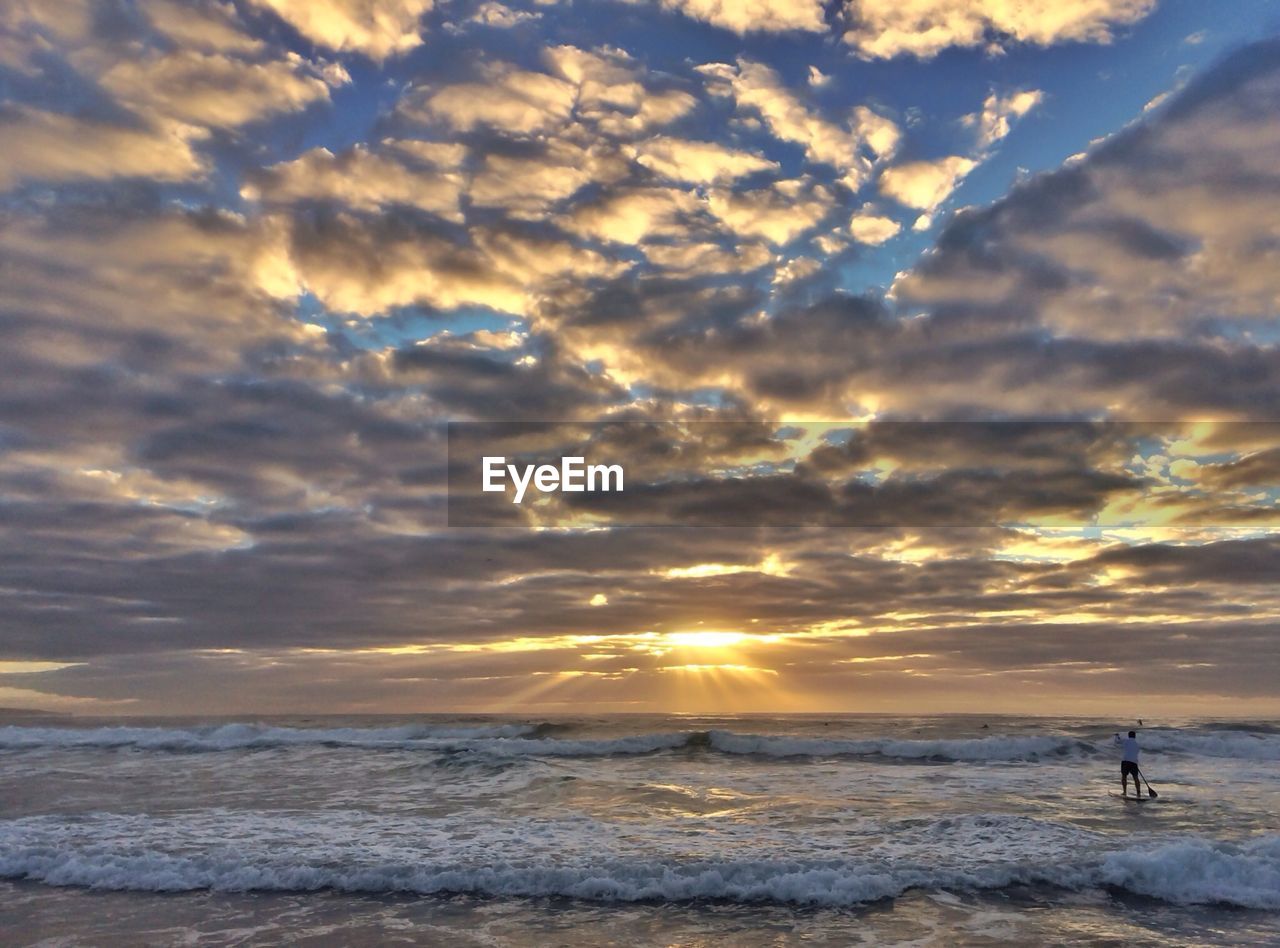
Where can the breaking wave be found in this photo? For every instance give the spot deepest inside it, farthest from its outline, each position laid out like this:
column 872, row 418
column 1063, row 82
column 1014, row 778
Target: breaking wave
column 544, row 740
column 1186, row 871
column 1217, row 743
column 242, row 736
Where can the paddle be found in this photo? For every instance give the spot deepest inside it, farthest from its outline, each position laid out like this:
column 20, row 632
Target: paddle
column 1151, row 793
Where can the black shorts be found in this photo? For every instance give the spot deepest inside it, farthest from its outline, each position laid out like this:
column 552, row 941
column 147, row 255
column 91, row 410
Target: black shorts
column 1128, row 768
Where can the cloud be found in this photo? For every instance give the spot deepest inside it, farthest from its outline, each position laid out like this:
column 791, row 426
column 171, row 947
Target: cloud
column 778, row 213
column 612, row 93
column 209, row 26
column 801, row 268
column 512, row 100
column 525, row 183
column 999, row 113
column 699, row 258
column 216, row 90
column 212, row 403
column 361, row 179
column 501, row 16
column 355, row 268
column 146, row 88
column 924, row 185
column 657, row 109
column 444, row 155
column 603, row 90
column 630, row 216
column 698, row 162
column 759, row 88
column 999, row 326
column 881, row 134
column 47, row 146
column 606, row 79
column 1156, row 233
column 754, row 16
column 372, row 265
column 30, row 29
column 868, row 227
column 882, row 29
column 467, row 381
column 178, row 257
column 369, row 270
column 1130, row 281
column 378, row 29
column 866, row 138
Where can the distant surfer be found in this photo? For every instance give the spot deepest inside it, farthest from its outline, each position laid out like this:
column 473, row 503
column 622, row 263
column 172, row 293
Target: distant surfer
column 1129, row 763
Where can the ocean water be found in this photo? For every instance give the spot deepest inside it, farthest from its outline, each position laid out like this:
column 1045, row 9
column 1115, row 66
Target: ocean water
column 626, row 830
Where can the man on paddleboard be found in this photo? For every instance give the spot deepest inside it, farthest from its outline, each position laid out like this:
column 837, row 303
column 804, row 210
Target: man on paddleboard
column 1129, row 763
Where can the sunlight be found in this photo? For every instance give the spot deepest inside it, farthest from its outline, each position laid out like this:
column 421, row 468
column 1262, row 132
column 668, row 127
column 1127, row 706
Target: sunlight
column 706, row 639
column 771, row 565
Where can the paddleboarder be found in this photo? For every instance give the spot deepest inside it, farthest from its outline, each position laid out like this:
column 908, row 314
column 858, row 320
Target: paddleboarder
column 1129, row 763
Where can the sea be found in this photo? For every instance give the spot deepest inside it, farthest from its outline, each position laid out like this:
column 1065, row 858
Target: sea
column 743, row 830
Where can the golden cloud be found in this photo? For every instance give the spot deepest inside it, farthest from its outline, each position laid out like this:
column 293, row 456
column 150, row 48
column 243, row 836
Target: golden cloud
column 882, row 29
column 47, row 146
column 216, row 90
column 853, row 148
column 376, row 28
column 868, row 227
column 925, row 184
column 778, row 213
column 211, row 26
column 361, row 179
column 707, row 257
column 630, row 216
column 699, row 162
column 512, row 100
column 999, row 112
column 525, row 185
column 754, row 16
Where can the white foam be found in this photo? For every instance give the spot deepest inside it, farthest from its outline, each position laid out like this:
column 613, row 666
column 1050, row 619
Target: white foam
column 1237, row 744
column 243, row 735
column 1200, row 871
column 520, row 740
column 1188, row 871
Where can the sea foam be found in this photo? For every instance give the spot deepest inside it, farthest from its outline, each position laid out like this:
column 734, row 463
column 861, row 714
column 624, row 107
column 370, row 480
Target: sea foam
column 1186, row 871
column 237, row 736
column 536, row 740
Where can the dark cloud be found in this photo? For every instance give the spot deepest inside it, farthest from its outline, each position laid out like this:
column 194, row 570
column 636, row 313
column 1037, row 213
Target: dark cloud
column 223, row 461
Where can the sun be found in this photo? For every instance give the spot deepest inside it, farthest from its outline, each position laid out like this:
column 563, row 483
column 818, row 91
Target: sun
column 703, row 639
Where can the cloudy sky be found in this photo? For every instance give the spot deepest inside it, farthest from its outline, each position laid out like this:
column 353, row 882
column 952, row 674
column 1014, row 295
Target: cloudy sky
column 255, row 254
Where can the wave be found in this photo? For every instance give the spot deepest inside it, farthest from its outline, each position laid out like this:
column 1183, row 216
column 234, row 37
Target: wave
column 1186, row 871
column 561, row 747
column 247, row 736
column 1219, row 743
column 961, row 749
column 508, row 740
column 1261, row 727
column 530, row 741
column 545, row 740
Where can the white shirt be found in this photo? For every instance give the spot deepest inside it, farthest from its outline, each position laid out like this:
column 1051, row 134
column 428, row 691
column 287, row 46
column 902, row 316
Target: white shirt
column 1130, row 745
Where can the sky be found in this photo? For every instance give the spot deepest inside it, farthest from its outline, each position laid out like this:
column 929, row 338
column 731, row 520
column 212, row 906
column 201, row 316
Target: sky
column 939, row 338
